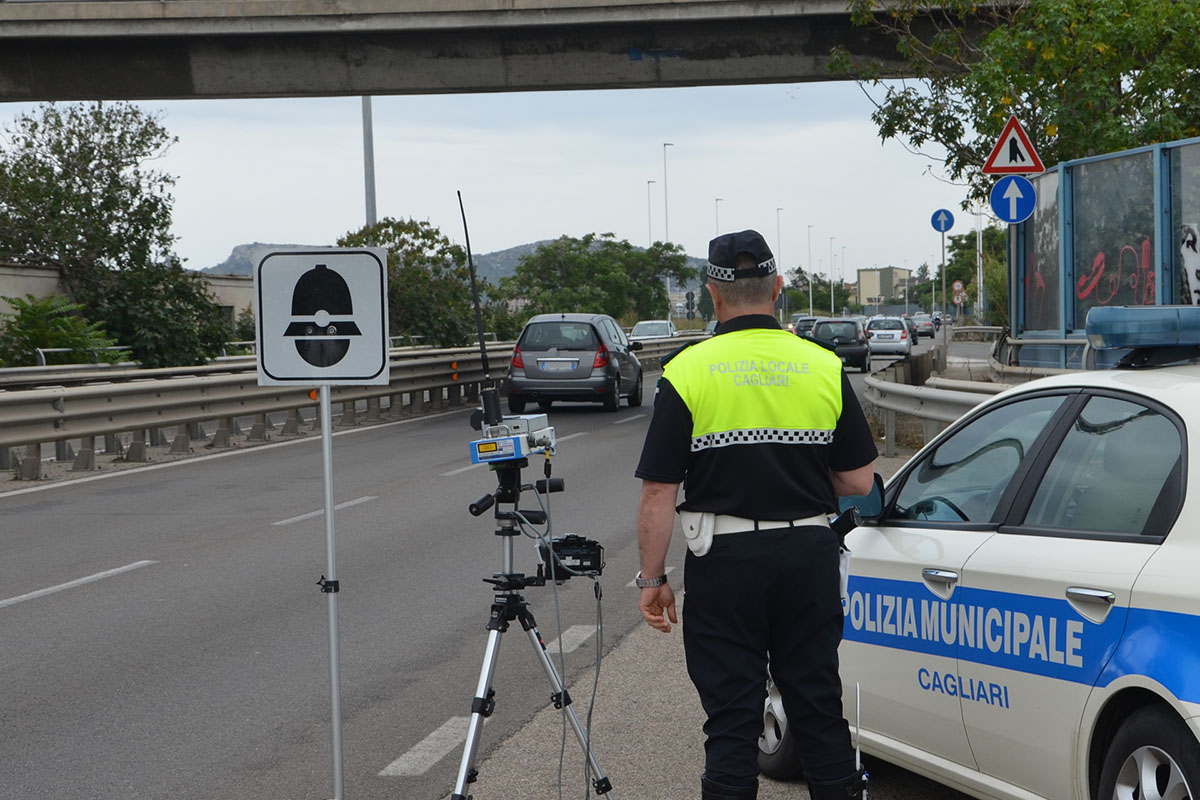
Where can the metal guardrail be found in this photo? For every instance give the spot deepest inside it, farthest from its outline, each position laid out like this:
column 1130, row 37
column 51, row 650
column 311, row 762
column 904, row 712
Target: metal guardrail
column 141, row 402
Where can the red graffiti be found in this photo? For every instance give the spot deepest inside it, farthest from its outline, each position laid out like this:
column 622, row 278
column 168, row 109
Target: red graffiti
column 1140, row 279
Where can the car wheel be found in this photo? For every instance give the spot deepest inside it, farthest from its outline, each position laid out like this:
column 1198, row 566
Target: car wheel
column 778, row 754
column 1153, row 755
column 545, row 405
column 516, row 404
column 635, row 397
column 612, row 401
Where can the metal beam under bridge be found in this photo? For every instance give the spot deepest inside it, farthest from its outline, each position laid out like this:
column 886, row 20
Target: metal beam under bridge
column 176, row 49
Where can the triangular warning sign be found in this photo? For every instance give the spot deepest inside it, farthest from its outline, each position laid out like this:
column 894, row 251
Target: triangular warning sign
column 1013, row 153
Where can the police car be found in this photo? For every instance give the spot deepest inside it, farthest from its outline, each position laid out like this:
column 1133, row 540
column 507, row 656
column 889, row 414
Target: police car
column 1023, row 611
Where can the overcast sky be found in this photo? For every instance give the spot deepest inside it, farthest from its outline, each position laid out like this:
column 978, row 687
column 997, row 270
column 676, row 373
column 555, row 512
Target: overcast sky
column 536, row 166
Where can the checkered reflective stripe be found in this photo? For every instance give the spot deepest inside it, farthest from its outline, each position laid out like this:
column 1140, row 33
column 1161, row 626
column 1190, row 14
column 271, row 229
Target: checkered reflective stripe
column 759, row 436
column 720, row 273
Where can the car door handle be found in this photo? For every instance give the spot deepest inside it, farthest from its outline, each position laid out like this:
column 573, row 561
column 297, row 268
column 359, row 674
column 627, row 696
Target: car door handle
column 940, row 576
column 1091, row 595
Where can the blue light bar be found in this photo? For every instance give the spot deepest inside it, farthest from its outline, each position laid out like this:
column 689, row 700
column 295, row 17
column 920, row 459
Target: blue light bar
column 1110, row 327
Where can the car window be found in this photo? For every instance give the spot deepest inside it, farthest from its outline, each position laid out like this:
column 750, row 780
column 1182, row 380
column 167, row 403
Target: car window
column 614, row 331
column 830, row 330
column 561, row 334
column 1108, row 474
column 885, row 325
column 965, row 477
column 652, row 329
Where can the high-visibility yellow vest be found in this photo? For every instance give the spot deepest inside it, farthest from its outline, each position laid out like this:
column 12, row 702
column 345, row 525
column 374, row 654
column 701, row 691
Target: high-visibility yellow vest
column 758, row 385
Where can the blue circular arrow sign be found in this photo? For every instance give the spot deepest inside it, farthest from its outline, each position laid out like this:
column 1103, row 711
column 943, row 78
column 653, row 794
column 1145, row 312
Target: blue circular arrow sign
column 1013, row 199
column 942, row 220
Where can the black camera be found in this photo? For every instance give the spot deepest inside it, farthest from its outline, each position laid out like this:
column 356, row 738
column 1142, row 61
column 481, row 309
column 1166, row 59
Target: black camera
column 570, row 555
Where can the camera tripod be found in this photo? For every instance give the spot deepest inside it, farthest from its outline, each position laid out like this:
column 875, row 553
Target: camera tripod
column 508, row 606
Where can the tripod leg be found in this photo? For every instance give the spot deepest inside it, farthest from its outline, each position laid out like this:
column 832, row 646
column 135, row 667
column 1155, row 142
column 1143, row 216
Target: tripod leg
column 562, row 699
column 481, row 708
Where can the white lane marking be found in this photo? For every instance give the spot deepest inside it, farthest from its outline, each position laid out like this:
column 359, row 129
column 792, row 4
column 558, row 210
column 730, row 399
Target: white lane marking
column 571, row 638
column 628, row 419
column 461, row 470
column 338, row 507
column 430, row 750
column 633, row 585
column 572, row 436
column 12, row 601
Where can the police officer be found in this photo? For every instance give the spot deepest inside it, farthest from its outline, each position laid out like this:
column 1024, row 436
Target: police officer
column 764, row 431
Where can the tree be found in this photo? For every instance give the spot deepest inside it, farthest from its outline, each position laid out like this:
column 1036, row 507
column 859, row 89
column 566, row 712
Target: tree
column 52, row 322
column 429, row 291
column 599, row 274
column 75, row 194
column 1083, row 77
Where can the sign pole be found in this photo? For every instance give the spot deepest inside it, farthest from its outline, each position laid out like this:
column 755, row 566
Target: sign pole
column 945, row 319
column 329, row 585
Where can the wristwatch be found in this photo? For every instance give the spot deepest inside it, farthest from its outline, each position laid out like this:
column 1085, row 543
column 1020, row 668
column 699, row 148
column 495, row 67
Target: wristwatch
column 648, row 583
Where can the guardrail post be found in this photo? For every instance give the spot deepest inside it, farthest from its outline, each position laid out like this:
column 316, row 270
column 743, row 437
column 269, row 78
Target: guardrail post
column 258, row 431
column 374, row 412
column 156, row 437
column 85, row 459
column 472, row 393
column 196, row 433
column 30, row 467
column 455, row 394
column 137, row 447
column 182, row 443
column 291, row 427
column 6, row 458
column 437, row 398
column 221, row 437
column 63, row 451
column 349, row 413
column 416, row 403
column 111, row 445
column 234, row 428
column 889, row 433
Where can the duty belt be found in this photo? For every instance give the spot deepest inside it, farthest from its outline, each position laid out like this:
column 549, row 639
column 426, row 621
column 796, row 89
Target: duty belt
column 725, row 523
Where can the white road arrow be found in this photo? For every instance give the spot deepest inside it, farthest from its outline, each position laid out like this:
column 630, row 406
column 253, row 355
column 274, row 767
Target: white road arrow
column 1012, row 194
column 941, row 218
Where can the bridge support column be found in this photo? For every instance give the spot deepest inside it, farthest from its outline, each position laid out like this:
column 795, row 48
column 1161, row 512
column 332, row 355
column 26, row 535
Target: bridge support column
column 85, row 459
column 258, row 431
column 291, row 427
column 349, row 413
column 137, row 447
column 30, row 466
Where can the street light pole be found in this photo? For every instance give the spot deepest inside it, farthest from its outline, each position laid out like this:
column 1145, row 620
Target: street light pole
column 810, row 272
column 368, row 159
column 649, row 217
column 666, row 218
column 717, row 214
column 831, row 311
column 779, row 259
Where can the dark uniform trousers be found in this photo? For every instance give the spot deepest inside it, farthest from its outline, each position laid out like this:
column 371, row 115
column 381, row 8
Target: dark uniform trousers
column 774, row 591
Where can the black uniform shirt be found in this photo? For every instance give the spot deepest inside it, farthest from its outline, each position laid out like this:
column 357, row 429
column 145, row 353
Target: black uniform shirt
column 766, row 481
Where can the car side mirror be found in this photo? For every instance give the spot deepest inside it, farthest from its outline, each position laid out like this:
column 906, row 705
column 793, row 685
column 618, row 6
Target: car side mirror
column 870, row 505
column 635, row 345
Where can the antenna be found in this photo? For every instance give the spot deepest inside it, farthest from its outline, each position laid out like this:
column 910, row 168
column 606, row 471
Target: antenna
column 489, row 395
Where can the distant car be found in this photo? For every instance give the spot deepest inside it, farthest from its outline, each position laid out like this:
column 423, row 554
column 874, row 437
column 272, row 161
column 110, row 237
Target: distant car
column 1022, row 606
column 889, row 335
column 653, row 329
column 850, row 341
column 913, row 330
column 925, row 325
column 805, row 325
column 711, row 327
column 796, row 319
column 575, row 357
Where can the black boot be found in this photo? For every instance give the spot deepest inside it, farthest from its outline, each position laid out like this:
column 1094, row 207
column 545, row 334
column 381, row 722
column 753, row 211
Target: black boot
column 710, row 790
column 852, row 787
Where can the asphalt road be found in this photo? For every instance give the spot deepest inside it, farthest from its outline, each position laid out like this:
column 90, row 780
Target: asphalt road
column 165, row 637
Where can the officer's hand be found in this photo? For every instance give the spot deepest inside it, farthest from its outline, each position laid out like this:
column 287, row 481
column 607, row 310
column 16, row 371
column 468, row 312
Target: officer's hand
column 653, row 602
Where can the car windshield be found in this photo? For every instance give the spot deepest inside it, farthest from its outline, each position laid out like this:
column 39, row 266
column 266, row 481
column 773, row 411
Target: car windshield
column 558, row 334
column 835, row 330
column 651, row 329
column 885, row 325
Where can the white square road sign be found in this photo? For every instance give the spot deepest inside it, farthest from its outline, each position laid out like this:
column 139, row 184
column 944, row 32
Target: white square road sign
column 322, row 317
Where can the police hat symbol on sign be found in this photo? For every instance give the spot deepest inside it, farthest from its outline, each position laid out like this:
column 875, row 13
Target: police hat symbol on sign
column 321, row 295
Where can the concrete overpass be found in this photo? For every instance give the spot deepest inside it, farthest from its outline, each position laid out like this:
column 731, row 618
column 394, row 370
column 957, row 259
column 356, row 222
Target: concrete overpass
column 167, row 49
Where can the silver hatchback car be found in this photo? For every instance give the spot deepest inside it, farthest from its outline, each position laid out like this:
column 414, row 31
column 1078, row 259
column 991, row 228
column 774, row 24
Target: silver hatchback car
column 574, row 357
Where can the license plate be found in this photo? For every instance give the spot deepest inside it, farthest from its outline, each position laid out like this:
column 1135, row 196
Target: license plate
column 557, row 366
column 886, row 335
